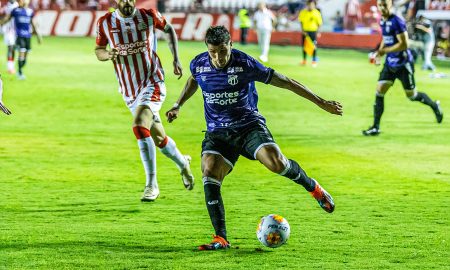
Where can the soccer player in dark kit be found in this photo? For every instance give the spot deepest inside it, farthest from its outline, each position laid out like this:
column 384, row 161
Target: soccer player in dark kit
column 234, row 125
column 398, row 65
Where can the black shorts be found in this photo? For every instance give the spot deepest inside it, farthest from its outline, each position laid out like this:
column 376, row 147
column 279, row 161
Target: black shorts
column 404, row 73
column 312, row 35
column 23, row 43
column 231, row 143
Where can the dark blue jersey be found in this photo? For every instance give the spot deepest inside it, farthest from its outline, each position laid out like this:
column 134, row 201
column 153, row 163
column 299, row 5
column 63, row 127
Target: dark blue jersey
column 229, row 94
column 22, row 20
column 391, row 27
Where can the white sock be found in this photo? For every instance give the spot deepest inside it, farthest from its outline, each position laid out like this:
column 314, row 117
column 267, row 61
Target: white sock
column 148, row 156
column 171, row 151
column 10, row 65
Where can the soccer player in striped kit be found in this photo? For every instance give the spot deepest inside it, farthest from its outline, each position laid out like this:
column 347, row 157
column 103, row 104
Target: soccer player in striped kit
column 130, row 34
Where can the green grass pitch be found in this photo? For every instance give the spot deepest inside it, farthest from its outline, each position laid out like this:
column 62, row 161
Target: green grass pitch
column 71, row 176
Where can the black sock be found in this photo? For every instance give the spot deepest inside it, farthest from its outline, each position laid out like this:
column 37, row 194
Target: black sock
column 21, row 65
column 215, row 205
column 314, row 55
column 304, row 55
column 425, row 99
column 378, row 109
column 298, row 175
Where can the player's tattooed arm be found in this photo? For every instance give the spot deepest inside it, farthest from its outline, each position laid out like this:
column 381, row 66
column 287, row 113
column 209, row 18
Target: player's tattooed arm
column 190, row 88
column 104, row 55
column 173, row 46
column 401, row 45
column 281, row 81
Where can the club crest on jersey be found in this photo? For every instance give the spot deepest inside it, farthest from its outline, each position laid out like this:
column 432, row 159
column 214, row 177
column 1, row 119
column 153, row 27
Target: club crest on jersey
column 233, row 79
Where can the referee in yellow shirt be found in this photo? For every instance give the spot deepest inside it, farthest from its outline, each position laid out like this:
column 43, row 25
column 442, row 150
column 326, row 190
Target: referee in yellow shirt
column 310, row 19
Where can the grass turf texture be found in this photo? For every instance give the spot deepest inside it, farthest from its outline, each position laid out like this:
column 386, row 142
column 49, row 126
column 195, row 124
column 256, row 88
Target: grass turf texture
column 71, row 177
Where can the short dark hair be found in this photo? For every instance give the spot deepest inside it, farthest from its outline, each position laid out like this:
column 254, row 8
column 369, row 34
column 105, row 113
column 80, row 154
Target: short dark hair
column 217, row 35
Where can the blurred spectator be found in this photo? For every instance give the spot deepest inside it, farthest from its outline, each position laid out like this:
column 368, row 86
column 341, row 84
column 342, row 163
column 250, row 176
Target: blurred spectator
column 244, row 24
column 338, row 22
column 425, row 33
column 372, row 19
column 352, row 16
column 295, row 5
column 439, row 5
column 264, row 21
column 161, row 6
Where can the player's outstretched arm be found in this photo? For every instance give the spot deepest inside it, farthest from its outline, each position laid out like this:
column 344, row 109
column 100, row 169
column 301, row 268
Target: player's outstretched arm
column 190, row 88
column 173, row 46
column 104, row 55
column 279, row 80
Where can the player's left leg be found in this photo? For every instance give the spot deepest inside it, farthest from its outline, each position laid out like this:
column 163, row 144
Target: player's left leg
column 259, row 144
column 24, row 47
column 313, row 36
column 10, row 56
column 168, row 147
column 271, row 157
column 406, row 75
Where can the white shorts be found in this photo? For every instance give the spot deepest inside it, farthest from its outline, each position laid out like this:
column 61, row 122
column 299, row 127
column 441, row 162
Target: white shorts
column 151, row 99
column 9, row 38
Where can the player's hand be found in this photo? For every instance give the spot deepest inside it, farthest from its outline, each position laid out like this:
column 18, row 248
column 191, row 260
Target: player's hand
column 172, row 114
column 113, row 53
column 4, row 109
column 177, row 69
column 332, row 107
column 380, row 53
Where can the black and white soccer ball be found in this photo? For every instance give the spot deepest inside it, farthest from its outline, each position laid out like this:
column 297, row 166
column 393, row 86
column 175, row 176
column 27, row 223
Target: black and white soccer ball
column 273, row 231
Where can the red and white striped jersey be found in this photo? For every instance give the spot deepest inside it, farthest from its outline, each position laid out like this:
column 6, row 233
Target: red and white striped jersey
column 137, row 65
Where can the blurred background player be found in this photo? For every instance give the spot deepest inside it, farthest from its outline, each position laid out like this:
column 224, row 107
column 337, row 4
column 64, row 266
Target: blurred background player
column 398, row 65
column 425, row 32
column 9, row 36
column 141, row 82
column 311, row 20
column 24, row 25
column 244, row 24
column 2, row 106
column 264, row 21
column 234, row 125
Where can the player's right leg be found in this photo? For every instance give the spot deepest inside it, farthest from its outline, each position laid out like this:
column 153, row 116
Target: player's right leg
column 143, row 119
column 384, row 83
column 10, row 63
column 214, row 169
column 219, row 154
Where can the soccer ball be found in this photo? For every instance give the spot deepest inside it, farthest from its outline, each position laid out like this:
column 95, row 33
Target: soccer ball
column 273, row 231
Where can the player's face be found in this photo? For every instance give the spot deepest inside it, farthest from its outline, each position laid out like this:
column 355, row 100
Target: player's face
column 126, row 7
column 220, row 54
column 384, row 6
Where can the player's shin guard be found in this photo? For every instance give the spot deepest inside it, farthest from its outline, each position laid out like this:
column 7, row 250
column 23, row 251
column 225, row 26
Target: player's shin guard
column 147, row 150
column 169, row 148
column 294, row 172
column 378, row 109
column 215, row 206
column 423, row 98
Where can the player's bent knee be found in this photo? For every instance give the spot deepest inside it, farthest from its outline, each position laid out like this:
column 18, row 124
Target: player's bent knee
column 275, row 165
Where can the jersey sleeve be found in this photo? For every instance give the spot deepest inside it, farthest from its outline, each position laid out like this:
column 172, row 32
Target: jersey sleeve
column 192, row 67
column 159, row 22
column 319, row 18
column 101, row 39
column 257, row 71
column 400, row 26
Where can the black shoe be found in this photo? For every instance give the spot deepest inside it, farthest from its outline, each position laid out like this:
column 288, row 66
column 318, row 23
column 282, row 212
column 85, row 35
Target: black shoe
column 438, row 112
column 372, row 131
